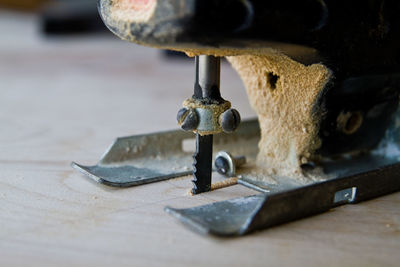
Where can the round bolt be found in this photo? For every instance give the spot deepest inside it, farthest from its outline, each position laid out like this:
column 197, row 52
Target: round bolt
column 226, row 164
column 349, row 122
column 230, row 120
column 187, row 119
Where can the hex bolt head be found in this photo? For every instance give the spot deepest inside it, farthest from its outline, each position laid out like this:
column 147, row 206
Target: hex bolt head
column 187, row 119
column 230, row 120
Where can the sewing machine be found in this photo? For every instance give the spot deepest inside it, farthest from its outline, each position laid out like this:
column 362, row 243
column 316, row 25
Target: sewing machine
column 349, row 144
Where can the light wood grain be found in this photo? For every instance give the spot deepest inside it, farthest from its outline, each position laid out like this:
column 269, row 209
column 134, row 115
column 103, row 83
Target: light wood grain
column 66, row 99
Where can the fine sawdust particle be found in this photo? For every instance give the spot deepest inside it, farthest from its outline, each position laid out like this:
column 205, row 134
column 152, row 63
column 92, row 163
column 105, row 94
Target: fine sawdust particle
column 225, row 183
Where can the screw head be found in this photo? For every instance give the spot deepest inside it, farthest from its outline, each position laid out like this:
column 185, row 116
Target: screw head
column 230, row 120
column 187, row 119
column 226, row 164
column 222, row 165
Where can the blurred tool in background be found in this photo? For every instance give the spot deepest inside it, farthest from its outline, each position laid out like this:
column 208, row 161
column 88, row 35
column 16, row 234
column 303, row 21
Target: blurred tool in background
column 62, row 16
column 22, row 4
column 71, row 16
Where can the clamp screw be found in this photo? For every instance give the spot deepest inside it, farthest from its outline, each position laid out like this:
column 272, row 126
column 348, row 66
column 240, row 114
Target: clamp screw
column 187, row 119
column 226, row 164
column 230, row 120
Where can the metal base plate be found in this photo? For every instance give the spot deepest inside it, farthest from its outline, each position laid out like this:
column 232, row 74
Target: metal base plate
column 142, row 159
column 243, row 215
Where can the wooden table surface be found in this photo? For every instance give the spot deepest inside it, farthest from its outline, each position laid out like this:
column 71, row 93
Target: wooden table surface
column 66, row 99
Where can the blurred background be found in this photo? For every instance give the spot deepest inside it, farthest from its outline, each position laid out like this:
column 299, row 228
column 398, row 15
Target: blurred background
column 68, row 86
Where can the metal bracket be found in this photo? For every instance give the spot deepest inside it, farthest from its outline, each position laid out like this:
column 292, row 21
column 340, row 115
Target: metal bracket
column 142, row 159
column 243, row 215
column 149, row 158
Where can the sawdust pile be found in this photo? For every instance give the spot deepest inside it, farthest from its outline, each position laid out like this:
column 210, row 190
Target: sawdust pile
column 285, row 95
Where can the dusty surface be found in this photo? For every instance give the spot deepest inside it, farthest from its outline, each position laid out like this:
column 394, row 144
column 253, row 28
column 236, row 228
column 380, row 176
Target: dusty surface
column 285, row 95
column 133, row 10
column 215, row 109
